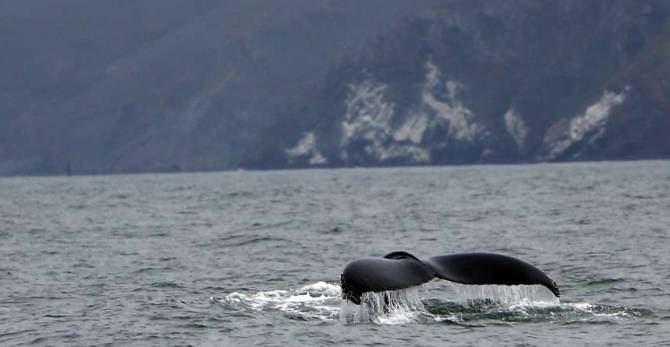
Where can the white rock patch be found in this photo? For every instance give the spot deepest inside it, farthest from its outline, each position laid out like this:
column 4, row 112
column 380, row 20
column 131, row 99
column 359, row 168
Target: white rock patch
column 462, row 124
column 516, row 127
column 369, row 116
column 591, row 123
column 413, row 128
column 307, row 147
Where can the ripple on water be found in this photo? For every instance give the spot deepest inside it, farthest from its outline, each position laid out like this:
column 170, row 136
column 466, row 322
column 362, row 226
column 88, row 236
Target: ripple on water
column 237, row 240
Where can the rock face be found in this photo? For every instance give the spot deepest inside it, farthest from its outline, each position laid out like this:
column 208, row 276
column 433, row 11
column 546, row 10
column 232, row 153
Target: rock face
column 210, row 85
column 500, row 81
column 132, row 86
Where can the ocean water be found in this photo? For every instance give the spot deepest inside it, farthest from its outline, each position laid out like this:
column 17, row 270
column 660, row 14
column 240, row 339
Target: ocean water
column 254, row 258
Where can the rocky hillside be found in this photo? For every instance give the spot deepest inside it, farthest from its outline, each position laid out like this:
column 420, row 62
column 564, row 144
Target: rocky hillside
column 495, row 81
column 90, row 86
column 101, row 86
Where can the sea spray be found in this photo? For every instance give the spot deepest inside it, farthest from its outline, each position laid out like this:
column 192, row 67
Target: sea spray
column 388, row 307
column 501, row 294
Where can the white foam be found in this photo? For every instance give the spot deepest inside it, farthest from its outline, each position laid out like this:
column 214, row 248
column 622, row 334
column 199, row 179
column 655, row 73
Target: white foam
column 593, row 310
column 323, row 288
column 318, row 300
column 322, row 301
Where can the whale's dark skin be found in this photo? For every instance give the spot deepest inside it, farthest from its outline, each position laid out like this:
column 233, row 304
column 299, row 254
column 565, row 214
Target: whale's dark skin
column 400, row 270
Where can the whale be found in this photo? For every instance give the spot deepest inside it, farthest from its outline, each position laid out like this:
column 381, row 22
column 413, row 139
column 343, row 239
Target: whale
column 400, row 270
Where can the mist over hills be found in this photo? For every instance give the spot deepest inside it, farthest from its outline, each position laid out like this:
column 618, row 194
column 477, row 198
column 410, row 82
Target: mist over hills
column 92, row 86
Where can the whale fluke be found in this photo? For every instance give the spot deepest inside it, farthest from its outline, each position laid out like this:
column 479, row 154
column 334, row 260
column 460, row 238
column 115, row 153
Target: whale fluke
column 399, row 270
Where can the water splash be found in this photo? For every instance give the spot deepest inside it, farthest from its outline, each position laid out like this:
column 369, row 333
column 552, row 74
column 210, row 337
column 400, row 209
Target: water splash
column 492, row 304
column 466, row 305
column 502, row 295
column 388, row 307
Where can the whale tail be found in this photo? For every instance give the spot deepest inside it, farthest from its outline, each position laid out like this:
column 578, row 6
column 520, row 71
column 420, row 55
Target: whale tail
column 488, row 268
column 399, row 270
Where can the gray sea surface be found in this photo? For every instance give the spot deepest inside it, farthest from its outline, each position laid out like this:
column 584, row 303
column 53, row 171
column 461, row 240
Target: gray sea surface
column 254, row 258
